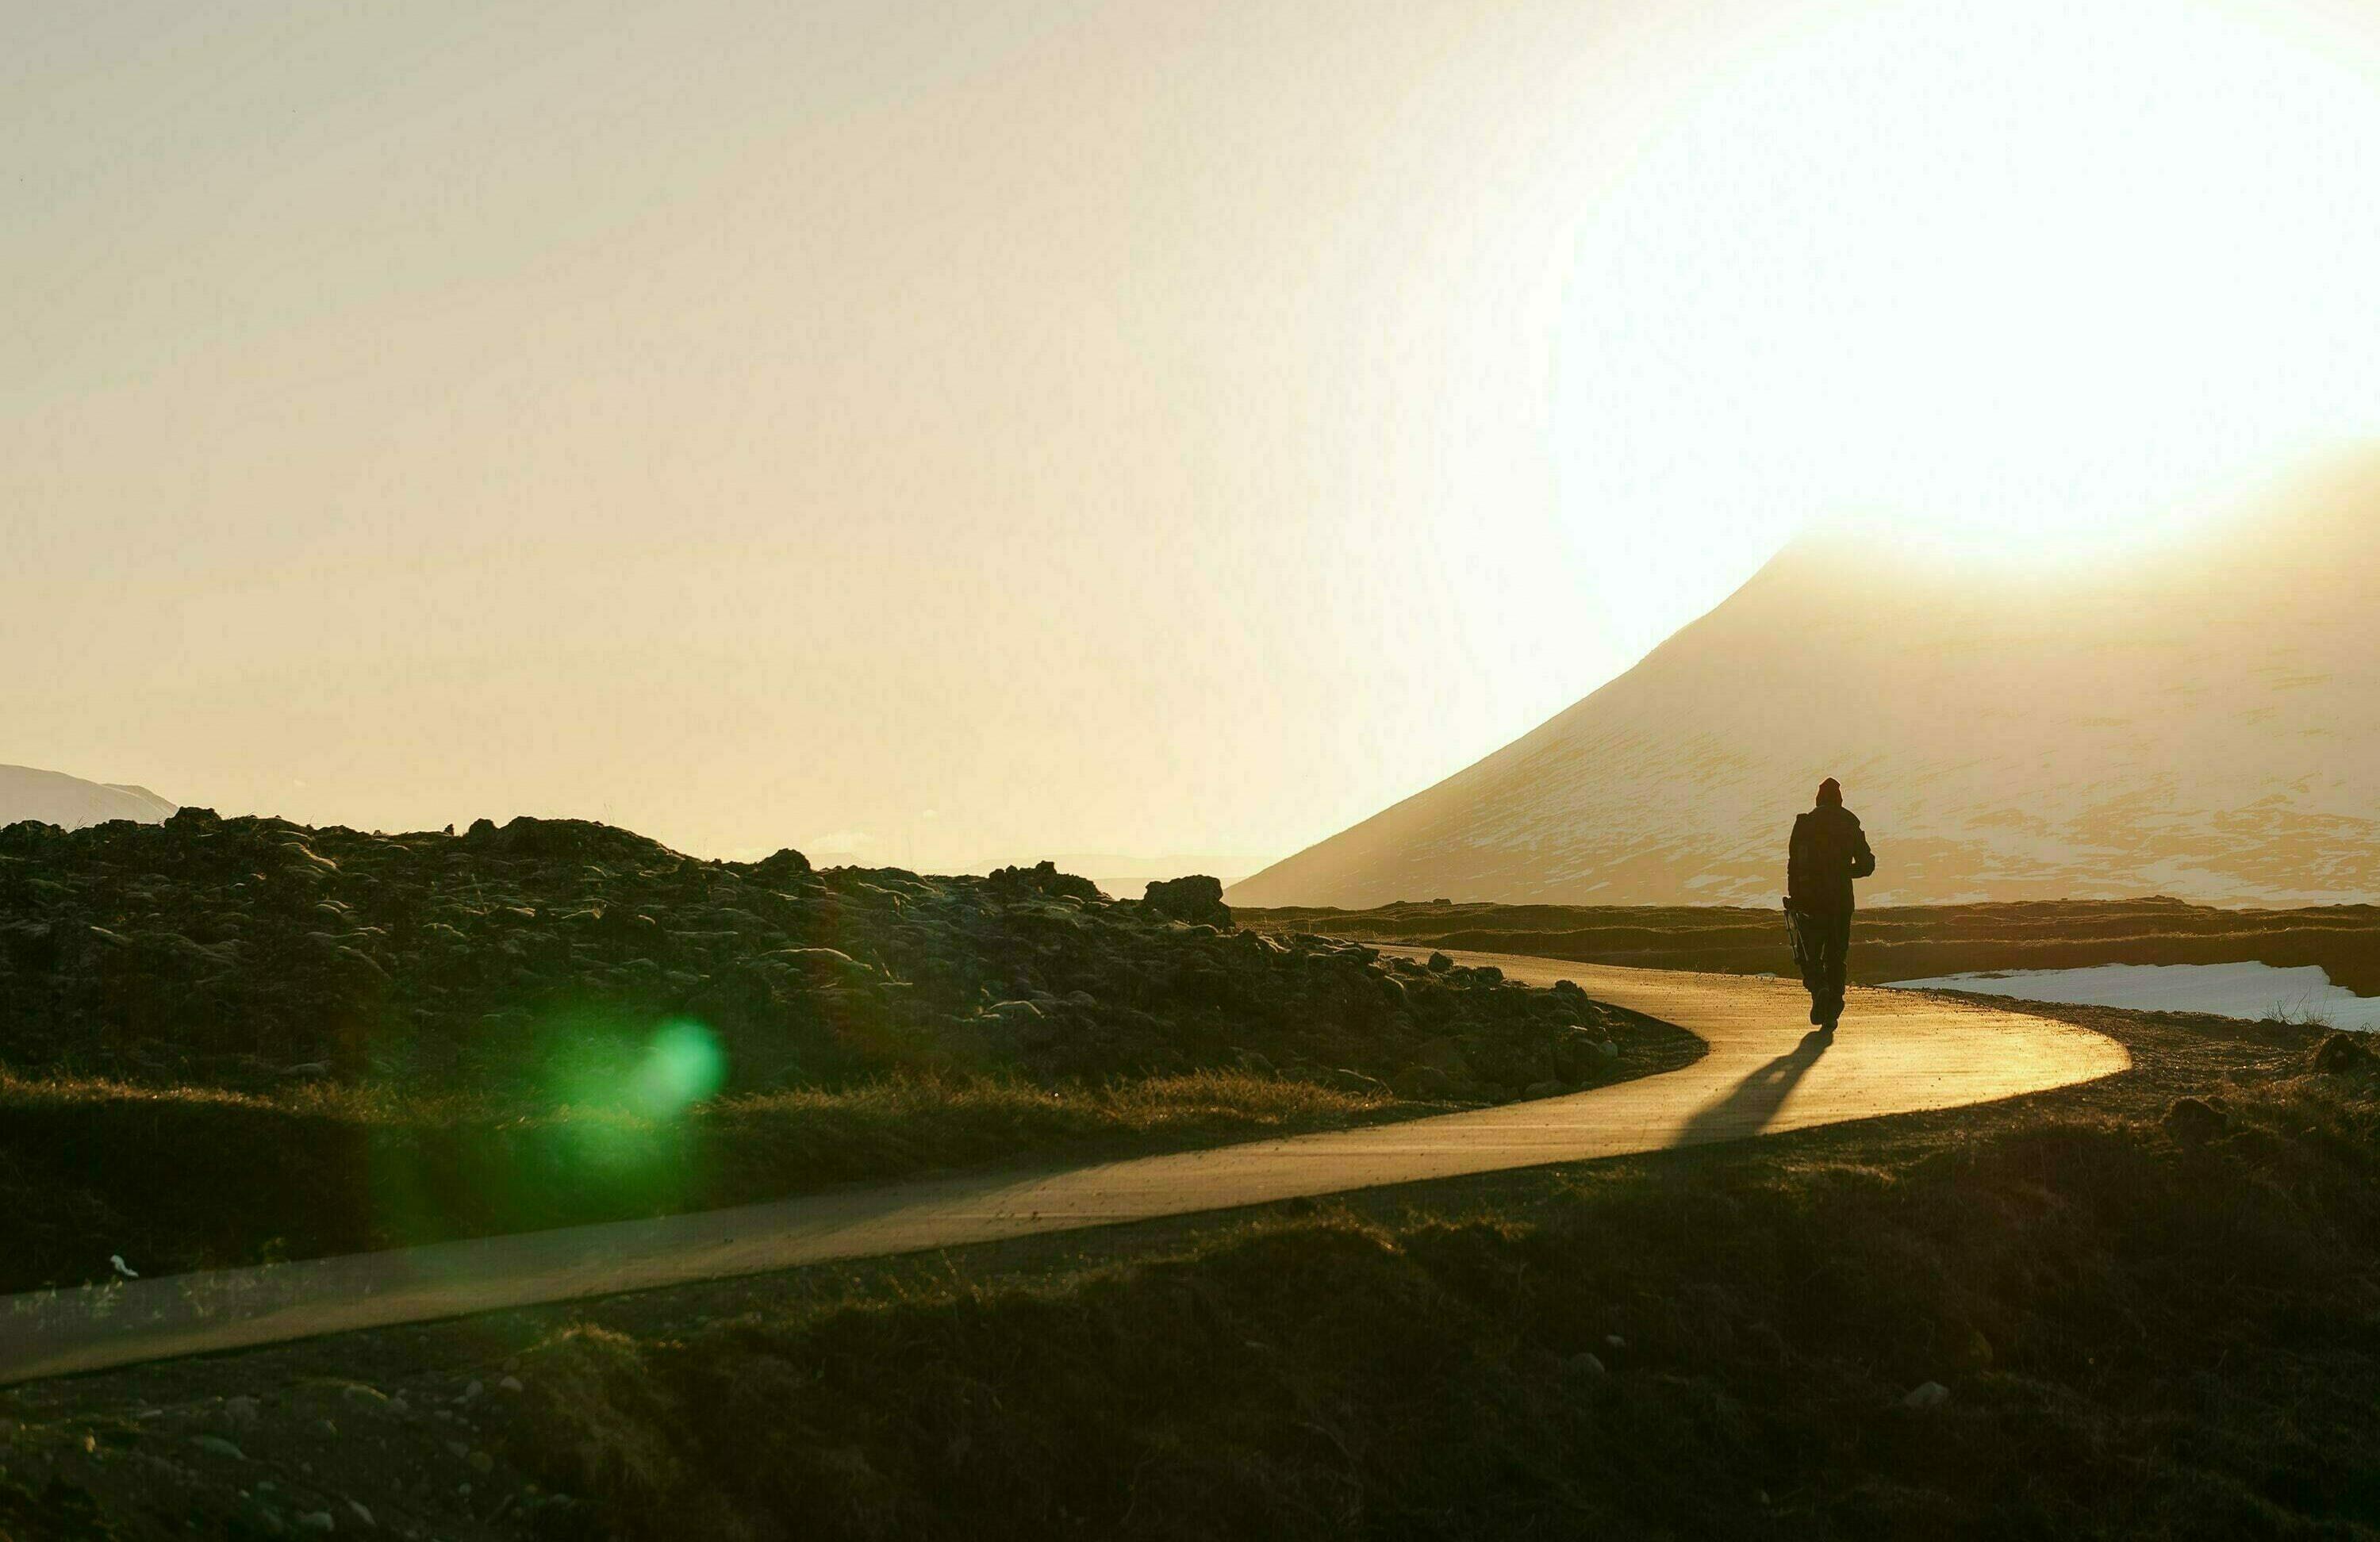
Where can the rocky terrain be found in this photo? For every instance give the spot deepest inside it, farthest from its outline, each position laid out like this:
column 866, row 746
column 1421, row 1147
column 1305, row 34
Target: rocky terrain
column 228, row 1039
column 242, row 953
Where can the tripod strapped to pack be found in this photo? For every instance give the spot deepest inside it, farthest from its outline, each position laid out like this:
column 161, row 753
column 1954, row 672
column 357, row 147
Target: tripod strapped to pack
column 1805, row 948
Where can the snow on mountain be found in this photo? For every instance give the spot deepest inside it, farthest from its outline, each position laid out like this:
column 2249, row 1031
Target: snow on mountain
column 2204, row 724
column 53, row 798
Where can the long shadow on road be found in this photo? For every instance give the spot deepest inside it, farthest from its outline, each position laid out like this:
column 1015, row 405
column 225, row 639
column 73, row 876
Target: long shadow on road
column 1747, row 1107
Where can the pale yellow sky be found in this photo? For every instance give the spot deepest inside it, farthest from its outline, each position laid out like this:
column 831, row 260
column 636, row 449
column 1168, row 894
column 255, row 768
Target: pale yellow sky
column 942, row 431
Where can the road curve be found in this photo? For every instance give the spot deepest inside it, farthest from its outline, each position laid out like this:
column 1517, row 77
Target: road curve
column 1767, row 1072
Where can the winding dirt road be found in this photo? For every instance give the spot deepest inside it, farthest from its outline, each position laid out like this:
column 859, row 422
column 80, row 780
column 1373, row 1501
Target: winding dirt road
column 1766, row 1071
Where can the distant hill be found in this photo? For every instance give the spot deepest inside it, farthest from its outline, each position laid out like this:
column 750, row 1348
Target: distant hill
column 2204, row 724
column 53, row 798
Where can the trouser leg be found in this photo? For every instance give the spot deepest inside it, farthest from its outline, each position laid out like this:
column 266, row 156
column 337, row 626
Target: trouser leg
column 1815, row 969
column 1834, row 949
column 1813, row 959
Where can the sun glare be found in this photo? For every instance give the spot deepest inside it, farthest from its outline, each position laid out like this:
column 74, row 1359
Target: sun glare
column 2035, row 280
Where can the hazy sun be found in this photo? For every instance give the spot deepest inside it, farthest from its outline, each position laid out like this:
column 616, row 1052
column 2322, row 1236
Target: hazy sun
column 2027, row 277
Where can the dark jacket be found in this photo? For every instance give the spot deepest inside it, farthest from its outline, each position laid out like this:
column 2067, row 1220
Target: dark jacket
column 1828, row 851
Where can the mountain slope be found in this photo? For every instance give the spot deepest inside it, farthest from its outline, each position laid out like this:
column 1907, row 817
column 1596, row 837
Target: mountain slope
column 53, row 798
column 2204, row 725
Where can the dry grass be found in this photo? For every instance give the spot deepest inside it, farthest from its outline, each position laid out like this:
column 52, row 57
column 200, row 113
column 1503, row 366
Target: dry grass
column 2144, row 1333
column 199, row 1177
column 2149, row 1326
column 1890, row 943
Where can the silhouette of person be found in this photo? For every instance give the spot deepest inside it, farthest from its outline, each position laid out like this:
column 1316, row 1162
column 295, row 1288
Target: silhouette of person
column 1828, row 850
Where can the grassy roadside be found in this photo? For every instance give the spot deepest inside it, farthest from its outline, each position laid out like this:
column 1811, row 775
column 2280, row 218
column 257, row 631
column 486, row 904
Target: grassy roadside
column 177, row 1179
column 2144, row 1325
column 326, row 1169
column 2150, row 1319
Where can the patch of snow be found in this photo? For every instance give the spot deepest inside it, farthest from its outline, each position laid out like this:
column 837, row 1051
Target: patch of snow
column 2246, row 991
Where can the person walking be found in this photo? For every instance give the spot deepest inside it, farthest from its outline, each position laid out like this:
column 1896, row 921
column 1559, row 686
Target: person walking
column 1828, row 850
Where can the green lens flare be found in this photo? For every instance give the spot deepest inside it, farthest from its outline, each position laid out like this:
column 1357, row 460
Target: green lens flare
column 683, row 1065
column 613, row 1134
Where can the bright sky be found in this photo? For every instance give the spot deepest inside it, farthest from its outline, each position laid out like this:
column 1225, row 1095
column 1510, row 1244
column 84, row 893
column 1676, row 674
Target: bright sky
column 935, row 431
